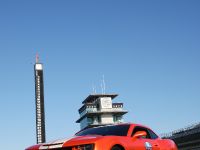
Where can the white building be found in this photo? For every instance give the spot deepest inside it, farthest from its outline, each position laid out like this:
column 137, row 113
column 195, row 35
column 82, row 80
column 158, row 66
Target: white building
column 98, row 109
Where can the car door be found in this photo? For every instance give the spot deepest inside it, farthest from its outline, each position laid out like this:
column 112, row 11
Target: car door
column 154, row 140
column 143, row 143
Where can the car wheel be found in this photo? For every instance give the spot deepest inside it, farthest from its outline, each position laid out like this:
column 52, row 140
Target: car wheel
column 116, row 148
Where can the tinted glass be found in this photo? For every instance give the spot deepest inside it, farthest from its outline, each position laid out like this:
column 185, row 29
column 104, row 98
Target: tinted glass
column 119, row 130
column 152, row 134
column 136, row 129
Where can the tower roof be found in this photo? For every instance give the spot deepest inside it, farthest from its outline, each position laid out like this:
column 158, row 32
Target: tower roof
column 93, row 97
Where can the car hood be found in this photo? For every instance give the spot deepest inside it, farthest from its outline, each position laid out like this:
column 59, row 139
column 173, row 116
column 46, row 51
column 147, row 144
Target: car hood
column 75, row 140
column 82, row 140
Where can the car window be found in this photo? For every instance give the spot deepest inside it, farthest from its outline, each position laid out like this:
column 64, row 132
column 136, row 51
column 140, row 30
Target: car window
column 118, row 130
column 152, row 134
column 137, row 128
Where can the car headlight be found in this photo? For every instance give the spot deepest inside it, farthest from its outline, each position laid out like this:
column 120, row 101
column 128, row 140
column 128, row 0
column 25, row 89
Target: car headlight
column 84, row 147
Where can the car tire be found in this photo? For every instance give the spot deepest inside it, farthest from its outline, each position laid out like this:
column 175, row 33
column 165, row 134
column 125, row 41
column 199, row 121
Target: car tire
column 116, row 148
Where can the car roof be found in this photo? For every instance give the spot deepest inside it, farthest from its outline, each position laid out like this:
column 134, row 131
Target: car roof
column 128, row 123
column 132, row 125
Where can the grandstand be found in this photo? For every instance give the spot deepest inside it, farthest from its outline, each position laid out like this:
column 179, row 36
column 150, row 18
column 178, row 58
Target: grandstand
column 187, row 138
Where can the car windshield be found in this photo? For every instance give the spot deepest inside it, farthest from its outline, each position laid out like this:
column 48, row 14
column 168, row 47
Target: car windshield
column 118, row 130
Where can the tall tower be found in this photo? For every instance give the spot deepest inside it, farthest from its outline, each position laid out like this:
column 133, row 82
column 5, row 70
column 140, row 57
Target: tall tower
column 39, row 102
column 98, row 110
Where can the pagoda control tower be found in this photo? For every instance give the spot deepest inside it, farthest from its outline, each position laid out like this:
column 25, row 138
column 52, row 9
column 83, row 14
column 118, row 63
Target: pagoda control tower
column 98, row 110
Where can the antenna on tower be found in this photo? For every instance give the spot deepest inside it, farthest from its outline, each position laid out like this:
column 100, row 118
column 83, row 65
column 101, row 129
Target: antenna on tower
column 104, row 85
column 94, row 89
column 101, row 88
column 37, row 58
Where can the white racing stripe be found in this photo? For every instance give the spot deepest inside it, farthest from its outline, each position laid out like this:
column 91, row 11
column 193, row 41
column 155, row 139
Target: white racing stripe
column 54, row 144
column 43, row 147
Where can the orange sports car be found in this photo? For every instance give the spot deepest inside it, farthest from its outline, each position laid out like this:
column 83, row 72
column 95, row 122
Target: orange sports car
column 113, row 137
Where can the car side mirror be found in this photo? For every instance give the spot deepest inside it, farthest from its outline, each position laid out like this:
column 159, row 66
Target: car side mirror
column 139, row 134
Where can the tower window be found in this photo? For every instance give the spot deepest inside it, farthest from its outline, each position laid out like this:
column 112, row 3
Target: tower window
column 117, row 118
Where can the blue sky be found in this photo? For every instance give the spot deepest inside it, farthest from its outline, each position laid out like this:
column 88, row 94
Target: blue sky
column 148, row 52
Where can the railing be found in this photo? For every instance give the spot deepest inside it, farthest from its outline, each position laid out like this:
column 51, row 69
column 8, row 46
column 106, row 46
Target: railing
column 88, row 110
column 191, row 129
